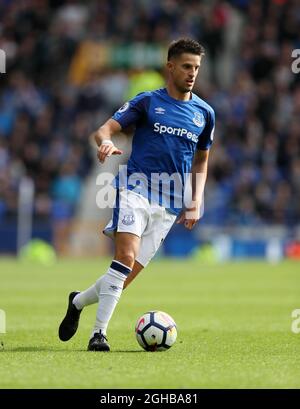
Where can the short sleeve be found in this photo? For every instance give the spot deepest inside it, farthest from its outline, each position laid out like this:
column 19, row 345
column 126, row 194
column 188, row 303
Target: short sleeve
column 133, row 110
column 207, row 136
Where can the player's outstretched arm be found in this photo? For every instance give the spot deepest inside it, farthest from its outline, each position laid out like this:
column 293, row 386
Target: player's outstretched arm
column 190, row 215
column 103, row 136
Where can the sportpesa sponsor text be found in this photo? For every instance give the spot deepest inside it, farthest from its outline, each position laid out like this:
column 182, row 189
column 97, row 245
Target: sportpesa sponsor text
column 175, row 131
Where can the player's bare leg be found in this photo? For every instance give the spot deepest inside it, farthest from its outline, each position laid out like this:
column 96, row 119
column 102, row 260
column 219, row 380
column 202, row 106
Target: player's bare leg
column 110, row 287
column 126, row 248
column 137, row 268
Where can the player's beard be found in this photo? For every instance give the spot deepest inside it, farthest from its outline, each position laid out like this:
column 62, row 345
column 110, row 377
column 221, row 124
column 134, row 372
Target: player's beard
column 183, row 89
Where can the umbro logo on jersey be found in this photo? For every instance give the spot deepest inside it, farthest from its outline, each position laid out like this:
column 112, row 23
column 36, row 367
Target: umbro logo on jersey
column 159, row 110
column 198, row 119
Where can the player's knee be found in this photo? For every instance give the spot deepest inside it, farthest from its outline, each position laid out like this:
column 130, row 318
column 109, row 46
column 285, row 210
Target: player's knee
column 125, row 257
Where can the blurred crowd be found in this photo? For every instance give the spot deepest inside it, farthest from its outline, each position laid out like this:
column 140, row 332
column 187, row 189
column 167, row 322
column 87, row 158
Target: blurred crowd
column 255, row 174
column 45, row 119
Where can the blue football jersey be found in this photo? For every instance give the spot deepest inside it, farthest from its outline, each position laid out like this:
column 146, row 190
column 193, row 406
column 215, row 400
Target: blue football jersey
column 167, row 133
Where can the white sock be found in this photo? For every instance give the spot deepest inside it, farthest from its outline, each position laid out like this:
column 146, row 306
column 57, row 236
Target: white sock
column 110, row 288
column 87, row 297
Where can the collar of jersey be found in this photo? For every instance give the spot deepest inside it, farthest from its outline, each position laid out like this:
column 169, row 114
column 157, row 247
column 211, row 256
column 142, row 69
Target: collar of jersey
column 177, row 100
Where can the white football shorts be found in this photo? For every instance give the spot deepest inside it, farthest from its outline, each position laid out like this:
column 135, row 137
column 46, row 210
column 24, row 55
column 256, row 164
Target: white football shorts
column 134, row 214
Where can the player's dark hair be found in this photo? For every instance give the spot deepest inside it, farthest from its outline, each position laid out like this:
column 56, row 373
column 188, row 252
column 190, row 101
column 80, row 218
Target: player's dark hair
column 185, row 45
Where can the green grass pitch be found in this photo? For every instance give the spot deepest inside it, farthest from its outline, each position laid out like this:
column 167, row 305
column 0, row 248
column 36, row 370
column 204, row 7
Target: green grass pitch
column 234, row 327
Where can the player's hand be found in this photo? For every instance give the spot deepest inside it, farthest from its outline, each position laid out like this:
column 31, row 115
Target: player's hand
column 189, row 217
column 107, row 149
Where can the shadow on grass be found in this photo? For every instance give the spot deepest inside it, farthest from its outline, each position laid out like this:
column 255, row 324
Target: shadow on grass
column 118, row 351
column 45, row 349
column 40, row 349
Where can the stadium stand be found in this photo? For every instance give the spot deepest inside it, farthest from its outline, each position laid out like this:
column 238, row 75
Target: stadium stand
column 50, row 100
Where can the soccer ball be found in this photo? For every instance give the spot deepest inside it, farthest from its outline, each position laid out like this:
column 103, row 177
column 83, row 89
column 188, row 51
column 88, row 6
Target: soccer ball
column 156, row 331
